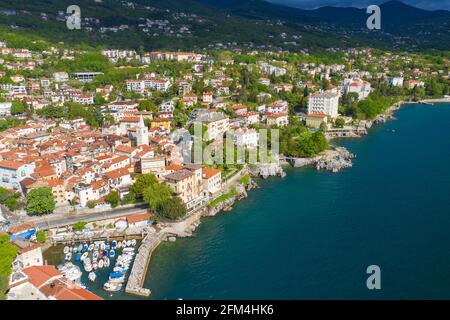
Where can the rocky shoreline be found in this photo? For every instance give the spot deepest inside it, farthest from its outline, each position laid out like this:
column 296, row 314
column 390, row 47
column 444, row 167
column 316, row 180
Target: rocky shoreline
column 333, row 160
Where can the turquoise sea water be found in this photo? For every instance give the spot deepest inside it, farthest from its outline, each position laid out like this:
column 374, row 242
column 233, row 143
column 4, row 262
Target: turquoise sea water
column 313, row 234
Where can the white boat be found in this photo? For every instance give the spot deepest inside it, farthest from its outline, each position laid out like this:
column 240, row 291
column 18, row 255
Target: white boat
column 107, row 262
column 124, row 244
column 69, row 256
column 66, row 250
column 112, row 287
column 117, row 281
column 101, row 264
column 96, row 247
column 95, row 265
column 133, row 242
column 88, row 268
column 84, row 256
column 91, row 247
column 102, row 246
column 70, row 271
column 128, row 243
column 92, row 276
column 119, row 245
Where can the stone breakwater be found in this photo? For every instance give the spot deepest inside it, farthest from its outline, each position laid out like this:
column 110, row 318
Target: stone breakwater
column 139, row 270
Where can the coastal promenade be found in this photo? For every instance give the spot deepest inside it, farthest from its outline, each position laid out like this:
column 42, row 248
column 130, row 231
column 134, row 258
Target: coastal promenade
column 62, row 220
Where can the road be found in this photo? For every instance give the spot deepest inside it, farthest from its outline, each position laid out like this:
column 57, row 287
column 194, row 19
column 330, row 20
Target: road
column 50, row 222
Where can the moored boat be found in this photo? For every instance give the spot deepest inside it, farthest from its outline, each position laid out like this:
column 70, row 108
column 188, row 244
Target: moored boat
column 92, row 276
column 112, row 287
column 107, row 262
column 84, row 256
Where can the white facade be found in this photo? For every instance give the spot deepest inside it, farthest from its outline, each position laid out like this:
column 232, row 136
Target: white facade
column 358, row 86
column 246, row 137
column 11, row 173
column 395, row 81
column 324, row 103
column 60, row 76
column 141, row 133
column 5, row 109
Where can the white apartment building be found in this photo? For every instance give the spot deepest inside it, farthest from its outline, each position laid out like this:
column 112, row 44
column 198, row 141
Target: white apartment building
column 358, row 86
column 5, row 109
column 60, row 76
column 245, row 137
column 325, row 103
column 12, row 172
column 395, row 81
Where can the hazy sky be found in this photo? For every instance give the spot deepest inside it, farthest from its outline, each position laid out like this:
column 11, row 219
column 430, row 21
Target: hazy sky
column 311, row 4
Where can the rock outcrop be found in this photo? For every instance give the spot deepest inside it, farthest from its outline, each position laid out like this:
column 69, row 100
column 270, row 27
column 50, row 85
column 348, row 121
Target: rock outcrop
column 335, row 160
column 269, row 170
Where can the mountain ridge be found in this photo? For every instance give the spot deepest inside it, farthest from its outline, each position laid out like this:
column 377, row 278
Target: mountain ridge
column 212, row 22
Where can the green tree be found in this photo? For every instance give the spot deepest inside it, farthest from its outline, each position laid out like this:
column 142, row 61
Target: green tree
column 40, row 236
column 113, row 199
column 17, row 107
column 40, row 201
column 156, row 194
column 12, row 204
column 142, row 182
column 339, row 122
column 79, row 226
column 91, row 204
column 172, row 208
column 8, row 253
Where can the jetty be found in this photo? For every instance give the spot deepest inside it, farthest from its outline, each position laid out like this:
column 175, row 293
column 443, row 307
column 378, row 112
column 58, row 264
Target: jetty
column 135, row 284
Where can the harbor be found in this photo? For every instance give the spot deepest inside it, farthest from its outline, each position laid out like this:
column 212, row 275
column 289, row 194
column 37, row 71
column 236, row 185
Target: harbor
column 105, row 264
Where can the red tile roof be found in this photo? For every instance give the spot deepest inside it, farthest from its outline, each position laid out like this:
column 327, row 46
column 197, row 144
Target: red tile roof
column 14, row 165
column 39, row 275
column 209, row 173
column 138, row 217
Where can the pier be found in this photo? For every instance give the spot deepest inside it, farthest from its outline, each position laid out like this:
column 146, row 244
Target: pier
column 135, row 284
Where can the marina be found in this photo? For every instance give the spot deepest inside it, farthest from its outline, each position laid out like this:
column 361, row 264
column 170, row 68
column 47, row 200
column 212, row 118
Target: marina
column 98, row 264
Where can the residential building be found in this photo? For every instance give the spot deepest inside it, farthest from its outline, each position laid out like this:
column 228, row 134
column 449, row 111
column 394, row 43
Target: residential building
column 323, row 102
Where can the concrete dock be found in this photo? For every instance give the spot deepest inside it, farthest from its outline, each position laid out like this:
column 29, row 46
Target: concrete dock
column 139, row 270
